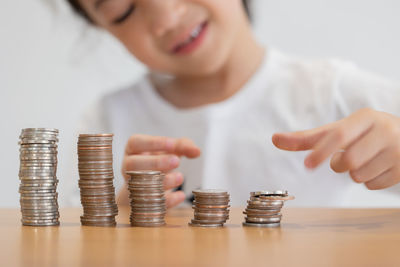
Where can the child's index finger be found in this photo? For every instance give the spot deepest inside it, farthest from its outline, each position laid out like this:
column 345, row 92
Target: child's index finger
column 186, row 147
column 140, row 143
column 300, row 140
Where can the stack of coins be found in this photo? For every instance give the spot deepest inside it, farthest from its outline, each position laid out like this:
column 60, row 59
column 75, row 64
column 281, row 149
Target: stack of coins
column 95, row 163
column 211, row 208
column 146, row 192
column 38, row 167
column 264, row 207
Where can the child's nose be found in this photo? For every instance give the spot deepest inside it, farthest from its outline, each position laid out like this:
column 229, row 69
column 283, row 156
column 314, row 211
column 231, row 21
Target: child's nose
column 164, row 15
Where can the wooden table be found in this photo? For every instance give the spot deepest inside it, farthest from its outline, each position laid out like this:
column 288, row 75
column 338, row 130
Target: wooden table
column 307, row 237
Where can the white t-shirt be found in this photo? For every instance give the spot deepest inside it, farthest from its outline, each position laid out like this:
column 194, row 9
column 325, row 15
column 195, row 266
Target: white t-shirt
column 285, row 94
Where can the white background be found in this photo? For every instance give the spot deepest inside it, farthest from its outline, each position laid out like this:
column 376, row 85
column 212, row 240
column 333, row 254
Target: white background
column 52, row 65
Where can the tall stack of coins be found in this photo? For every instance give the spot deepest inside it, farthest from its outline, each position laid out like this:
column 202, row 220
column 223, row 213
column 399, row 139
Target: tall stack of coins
column 211, row 208
column 95, row 163
column 38, row 167
column 264, row 207
column 146, row 192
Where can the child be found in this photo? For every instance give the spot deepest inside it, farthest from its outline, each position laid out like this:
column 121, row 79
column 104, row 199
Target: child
column 211, row 81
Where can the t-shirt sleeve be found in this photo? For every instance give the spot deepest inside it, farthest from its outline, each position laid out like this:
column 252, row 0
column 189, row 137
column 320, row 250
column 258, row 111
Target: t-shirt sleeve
column 356, row 89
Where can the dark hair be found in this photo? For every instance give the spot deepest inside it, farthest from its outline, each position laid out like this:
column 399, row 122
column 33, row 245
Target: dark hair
column 78, row 8
column 246, row 5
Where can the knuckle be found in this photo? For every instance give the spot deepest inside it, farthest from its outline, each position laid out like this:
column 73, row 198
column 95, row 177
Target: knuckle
column 350, row 160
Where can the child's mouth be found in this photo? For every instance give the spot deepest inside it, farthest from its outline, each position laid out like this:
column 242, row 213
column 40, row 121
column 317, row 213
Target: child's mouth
column 193, row 41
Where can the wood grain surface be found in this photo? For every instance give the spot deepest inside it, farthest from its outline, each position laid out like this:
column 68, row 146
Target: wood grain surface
column 307, row 237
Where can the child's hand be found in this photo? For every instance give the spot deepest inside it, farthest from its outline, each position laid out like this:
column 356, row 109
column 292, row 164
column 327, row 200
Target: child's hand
column 367, row 144
column 145, row 152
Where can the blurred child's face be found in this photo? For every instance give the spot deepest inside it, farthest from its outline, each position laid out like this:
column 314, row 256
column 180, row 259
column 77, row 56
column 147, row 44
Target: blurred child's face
column 180, row 37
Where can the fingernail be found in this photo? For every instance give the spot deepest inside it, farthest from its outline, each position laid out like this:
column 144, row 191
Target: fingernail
column 174, row 161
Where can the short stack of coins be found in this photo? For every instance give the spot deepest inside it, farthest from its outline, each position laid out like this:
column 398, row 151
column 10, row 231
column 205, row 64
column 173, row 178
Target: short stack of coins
column 211, row 208
column 38, row 168
column 264, row 208
column 146, row 193
column 95, row 163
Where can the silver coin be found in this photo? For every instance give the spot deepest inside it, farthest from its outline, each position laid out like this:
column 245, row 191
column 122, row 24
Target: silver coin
column 137, row 196
column 254, row 212
column 146, row 198
column 39, row 210
column 265, row 225
column 211, row 214
column 147, row 220
column 38, row 166
column 95, row 166
column 206, row 225
column 271, row 198
column 38, row 184
column 210, row 207
column 146, row 224
column 36, row 134
column 41, row 224
column 50, row 146
column 207, row 221
column 269, row 193
column 209, row 191
column 40, row 220
column 144, row 172
column 265, row 202
column 97, row 135
column 98, row 219
column 102, row 213
column 40, row 217
column 263, row 220
column 50, row 130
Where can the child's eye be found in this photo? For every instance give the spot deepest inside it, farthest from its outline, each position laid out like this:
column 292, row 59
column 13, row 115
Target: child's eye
column 125, row 15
